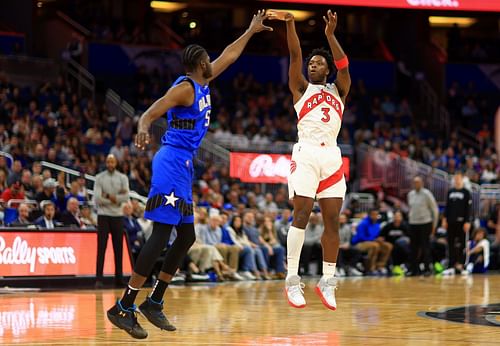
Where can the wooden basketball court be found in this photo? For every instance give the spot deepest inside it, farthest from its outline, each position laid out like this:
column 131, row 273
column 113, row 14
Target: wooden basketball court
column 372, row 311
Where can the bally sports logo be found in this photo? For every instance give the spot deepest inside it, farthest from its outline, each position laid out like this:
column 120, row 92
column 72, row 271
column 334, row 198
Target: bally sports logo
column 20, row 253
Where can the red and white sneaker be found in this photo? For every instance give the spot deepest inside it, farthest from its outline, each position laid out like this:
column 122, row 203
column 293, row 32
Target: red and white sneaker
column 294, row 291
column 326, row 292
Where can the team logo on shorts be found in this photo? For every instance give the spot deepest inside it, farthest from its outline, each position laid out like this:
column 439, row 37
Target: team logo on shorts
column 171, row 199
column 293, row 166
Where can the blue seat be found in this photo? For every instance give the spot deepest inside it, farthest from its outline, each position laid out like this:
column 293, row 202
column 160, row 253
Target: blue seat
column 10, row 215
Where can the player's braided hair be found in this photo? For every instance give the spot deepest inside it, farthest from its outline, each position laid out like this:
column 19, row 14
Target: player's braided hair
column 191, row 56
column 325, row 54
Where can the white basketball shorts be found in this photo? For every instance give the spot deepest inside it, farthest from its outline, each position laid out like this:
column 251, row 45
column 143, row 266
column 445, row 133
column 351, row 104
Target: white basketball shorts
column 316, row 172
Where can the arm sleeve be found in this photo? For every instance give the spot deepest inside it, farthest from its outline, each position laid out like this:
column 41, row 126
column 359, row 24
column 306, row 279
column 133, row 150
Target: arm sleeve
column 434, row 208
column 468, row 208
column 98, row 198
column 123, row 197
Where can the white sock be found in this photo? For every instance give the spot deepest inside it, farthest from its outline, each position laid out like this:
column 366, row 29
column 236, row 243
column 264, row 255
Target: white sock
column 328, row 270
column 294, row 242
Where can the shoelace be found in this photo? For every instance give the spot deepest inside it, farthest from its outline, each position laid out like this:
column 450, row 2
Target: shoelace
column 300, row 286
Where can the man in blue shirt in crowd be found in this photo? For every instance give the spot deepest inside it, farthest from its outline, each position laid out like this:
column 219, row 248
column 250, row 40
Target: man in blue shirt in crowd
column 367, row 240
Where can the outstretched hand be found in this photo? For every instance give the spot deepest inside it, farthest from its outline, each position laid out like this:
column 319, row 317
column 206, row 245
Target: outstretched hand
column 257, row 24
column 331, row 22
column 279, row 15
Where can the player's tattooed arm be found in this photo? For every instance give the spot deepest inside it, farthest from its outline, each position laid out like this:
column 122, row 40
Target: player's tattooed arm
column 179, row 95
column 296, row 80
column 343, row 81
column 234, row 50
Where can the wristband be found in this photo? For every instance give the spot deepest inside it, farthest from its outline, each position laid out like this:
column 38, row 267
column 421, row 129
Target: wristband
column 342, row 63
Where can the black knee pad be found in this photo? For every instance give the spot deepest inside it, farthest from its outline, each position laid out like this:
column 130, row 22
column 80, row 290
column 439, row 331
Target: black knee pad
column 152, row 249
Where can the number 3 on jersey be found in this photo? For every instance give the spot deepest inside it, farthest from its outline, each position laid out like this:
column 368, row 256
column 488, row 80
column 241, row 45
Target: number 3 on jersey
column 207, row 118
column 326, row 115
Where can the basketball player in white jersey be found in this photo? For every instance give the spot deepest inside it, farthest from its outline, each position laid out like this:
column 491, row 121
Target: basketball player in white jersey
column 316, row 167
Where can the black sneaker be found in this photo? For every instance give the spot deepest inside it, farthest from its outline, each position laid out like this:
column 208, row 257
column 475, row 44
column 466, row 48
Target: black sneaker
column 126, row 319
column 153, row 312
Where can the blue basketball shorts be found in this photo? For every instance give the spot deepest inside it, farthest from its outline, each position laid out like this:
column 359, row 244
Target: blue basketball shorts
column 170, row 199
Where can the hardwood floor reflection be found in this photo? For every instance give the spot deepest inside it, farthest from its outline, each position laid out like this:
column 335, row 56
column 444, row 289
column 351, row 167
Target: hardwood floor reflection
column 371, row 311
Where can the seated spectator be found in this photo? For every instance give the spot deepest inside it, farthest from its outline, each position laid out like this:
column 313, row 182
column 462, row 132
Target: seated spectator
column 133, row 229
column 74, row 192
column 14, row 191
column 3, row 179
column 212, row 235
column 48, row 193
column 312, row 245
column 273, row 251
column 87, row 218
column 479, row 251
column 282, row 225
column 15, row 172
column 206, row 257
column 146, row 225
column 493, row 224
column 349, row 255
column 268, row 203
column 71, row 216
column 23, row 216
column 396, row 233
column 47, row 220
column 26, row 181
column 247, row 255
column 367, row 240
column 256, row 242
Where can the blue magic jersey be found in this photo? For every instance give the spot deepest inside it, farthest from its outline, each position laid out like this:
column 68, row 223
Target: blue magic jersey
column 188, row 125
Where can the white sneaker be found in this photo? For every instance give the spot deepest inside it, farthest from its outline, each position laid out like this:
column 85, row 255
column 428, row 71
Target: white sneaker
column 237, row 276
column 294, row 291
column 449, row 272
column 247, row 275
column 326, row 292
column 354, row 272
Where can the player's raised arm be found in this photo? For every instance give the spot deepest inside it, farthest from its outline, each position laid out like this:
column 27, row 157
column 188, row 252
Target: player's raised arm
column 296, row 80
column 343, row 81
column 179, row 95
column 234, row 50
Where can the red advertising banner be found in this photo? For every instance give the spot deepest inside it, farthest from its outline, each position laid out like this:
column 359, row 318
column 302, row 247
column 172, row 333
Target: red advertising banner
column 460, row 5
column 265, row 168
column 46, row 253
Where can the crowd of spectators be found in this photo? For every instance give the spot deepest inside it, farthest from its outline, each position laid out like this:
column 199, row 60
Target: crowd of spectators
column 246, row 226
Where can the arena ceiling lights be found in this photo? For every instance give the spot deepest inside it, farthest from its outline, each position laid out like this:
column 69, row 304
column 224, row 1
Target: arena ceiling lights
column 167, row 6
column 445, row 5
column 448, row 22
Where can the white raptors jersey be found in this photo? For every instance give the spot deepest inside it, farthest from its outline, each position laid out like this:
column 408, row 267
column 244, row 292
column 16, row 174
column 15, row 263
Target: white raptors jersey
column 319, row 113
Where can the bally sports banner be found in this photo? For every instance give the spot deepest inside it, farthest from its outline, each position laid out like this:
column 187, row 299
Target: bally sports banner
column 265, row 168
column 460, row 5
column 56, row 253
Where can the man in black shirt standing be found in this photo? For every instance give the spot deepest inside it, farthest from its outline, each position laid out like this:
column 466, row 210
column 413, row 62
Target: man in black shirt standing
column 458, row 218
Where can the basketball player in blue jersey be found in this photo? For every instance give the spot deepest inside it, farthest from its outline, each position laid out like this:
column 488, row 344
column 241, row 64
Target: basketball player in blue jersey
column 187, row 104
